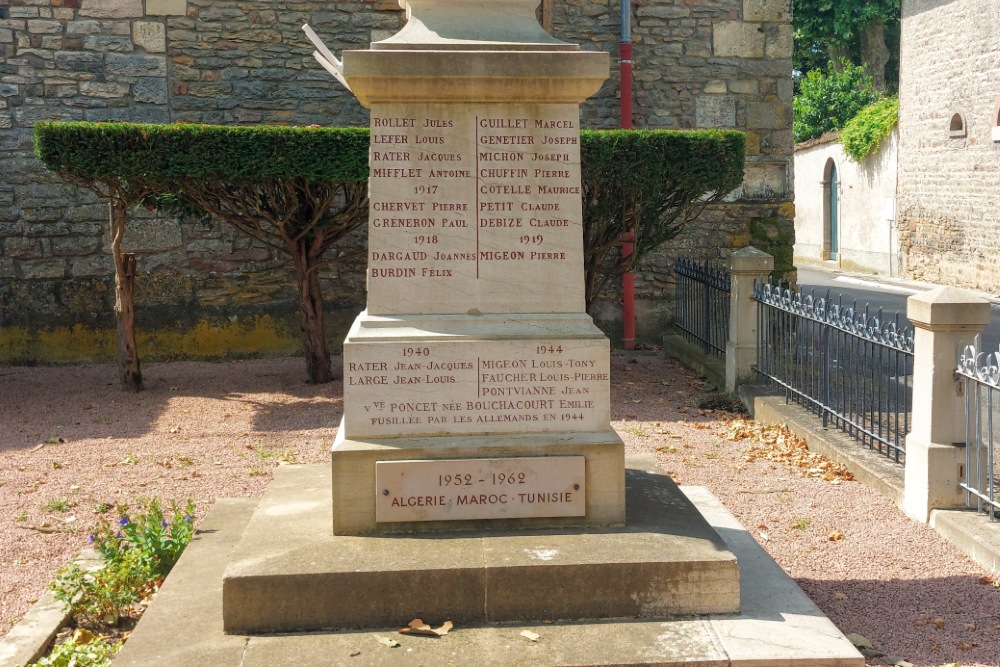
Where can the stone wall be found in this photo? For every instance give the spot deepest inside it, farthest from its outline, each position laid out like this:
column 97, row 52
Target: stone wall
column 204, row 290
column 949, row 180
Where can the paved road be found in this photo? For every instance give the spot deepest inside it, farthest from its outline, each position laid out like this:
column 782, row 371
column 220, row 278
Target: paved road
column 890, row 297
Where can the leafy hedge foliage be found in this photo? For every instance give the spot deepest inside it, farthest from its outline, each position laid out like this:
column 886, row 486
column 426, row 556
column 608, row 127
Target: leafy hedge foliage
column 827, row 99
column 863, row 134
column 179, row 151
column 650, row 181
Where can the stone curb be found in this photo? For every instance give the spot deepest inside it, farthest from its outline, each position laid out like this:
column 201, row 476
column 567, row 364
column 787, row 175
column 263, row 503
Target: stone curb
column 28, row 640
column 969, row 531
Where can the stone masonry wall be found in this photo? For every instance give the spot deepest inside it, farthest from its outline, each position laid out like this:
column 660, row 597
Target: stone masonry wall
column 206, row 291
column 949, row 182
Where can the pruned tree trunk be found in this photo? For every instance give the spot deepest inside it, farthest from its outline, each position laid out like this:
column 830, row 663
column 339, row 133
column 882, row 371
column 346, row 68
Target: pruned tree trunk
column 874, row 52
column 129, row 372
column 318, row 366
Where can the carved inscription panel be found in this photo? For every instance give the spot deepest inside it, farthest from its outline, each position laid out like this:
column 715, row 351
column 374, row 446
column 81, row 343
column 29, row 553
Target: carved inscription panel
column 450, row 387
column 475, row 209
column 456, row 489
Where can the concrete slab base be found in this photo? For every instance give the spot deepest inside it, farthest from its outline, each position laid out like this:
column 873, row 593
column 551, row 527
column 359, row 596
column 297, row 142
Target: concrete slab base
column 777, row 625
column 290, row 574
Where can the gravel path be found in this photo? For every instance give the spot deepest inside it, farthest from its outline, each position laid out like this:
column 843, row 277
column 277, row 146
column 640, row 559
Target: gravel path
column 204, row 430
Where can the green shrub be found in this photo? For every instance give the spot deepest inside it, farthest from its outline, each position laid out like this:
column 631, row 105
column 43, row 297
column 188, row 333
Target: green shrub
column 863, row 134
column 650, row 181
column 827, row 99
column 137, row 552
column 300, row 190
column 95, row 653
column 167, row 154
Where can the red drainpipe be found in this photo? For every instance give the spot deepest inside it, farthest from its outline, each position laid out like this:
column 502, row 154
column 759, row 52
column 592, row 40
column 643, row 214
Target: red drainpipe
column 628, row 279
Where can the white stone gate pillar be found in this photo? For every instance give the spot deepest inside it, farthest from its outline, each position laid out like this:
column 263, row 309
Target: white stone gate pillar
column 746, row 266
column 945, row 320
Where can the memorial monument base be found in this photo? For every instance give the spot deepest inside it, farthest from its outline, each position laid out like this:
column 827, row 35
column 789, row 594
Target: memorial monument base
column 355, row 492
column 289, row 573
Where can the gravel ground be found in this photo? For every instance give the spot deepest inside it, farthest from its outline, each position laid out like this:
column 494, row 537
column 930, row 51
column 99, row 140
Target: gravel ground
column 204, row 430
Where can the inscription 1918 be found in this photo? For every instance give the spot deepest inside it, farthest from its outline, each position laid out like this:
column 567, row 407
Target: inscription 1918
column 491, row 201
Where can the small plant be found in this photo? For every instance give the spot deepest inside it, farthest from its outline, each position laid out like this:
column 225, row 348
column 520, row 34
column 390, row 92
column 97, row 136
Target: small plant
column 102, row 508
column 58, row 506
column 137, row 552
column 158, row 542
column 801, row 523
column 21, row 516
column 101, row 597
column 70, row 653
column 636, row 430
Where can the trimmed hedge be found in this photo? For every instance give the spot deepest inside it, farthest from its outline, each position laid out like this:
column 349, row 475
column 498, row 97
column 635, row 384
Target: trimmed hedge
column 180, row 152
column 652, row 182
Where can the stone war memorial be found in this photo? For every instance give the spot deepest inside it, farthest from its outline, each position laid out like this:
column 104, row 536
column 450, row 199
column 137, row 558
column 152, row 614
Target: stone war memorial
column 475, row 476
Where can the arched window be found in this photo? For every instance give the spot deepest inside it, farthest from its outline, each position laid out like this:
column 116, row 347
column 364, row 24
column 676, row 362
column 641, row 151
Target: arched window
column 956, row 130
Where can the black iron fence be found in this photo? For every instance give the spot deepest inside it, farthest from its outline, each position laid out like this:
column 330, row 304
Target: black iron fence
column 847, row 365
column 982, row 416
column 701, row 306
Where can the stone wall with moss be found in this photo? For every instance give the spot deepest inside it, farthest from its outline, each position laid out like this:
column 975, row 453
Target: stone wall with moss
column 203, row 290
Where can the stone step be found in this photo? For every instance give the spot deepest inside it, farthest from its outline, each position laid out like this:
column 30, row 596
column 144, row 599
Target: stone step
column 289, row 573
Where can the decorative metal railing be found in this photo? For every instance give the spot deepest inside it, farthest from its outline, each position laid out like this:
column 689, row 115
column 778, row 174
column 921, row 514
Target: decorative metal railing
column 982, row 401
column 851, row 367
column 701, row 306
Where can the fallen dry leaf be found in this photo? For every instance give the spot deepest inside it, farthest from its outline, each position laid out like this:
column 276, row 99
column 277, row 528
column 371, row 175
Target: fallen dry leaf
column 530, row 636
column 835, row 536
column 965, row 646
column 860, row 641
column 970, row 626
column 839, row 596
column 776, row 443
column 418, row 627
column 391, row 643
column 82, row 636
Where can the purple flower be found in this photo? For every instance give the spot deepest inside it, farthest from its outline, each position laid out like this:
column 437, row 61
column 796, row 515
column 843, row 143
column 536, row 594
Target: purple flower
column 188, row 519
column 90, row 540
column 164, row 524
column 123, row 521
column 118, row 534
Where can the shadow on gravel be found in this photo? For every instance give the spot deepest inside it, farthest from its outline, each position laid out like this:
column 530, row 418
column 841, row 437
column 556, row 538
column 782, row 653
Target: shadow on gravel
column 963, row 629
column 44, row 403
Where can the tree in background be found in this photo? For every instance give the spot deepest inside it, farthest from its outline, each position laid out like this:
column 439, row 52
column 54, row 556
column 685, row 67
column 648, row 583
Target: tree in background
column 862, row 32
column 829, row 98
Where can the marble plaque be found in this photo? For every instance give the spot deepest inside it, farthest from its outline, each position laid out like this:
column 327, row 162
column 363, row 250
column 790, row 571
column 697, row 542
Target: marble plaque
column 475, row 211
column 463, row 489
column 463, row 387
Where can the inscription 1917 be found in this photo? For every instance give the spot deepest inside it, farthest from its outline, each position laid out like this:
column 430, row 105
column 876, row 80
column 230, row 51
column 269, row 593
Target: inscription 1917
column 490, row 201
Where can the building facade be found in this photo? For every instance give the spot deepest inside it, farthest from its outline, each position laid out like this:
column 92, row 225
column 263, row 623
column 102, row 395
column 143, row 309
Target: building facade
column 949, row 151
column 203, row 290
column 845, row 211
